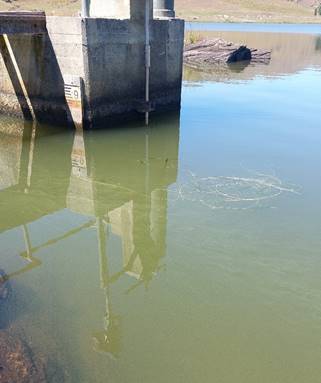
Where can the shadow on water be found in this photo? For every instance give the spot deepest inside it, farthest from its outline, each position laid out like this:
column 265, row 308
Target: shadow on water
column 238, row 67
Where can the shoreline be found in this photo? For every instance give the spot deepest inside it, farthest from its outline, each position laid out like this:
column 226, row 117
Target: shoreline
column 231, row 19
column 201, row 21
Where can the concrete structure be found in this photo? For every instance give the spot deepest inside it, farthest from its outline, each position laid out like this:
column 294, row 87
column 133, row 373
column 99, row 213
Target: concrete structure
column 164, row 8
column 109, row 9
column 105, row 56
column 123, row 9
column 23, row 22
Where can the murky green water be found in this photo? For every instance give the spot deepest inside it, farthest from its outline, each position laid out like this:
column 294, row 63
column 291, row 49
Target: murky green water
column 186, row 252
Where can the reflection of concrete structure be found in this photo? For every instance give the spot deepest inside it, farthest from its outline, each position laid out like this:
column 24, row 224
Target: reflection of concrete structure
column 127, row 190
column 130, row 192
column 10, row 149
column 23, row 200
column 119, row 184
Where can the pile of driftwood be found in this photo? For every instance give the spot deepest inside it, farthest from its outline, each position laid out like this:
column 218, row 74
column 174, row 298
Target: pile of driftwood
column 207, row 53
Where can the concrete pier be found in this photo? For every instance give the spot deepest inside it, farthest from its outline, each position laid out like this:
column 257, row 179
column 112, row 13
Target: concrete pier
column 164, row 8
column 91, row 70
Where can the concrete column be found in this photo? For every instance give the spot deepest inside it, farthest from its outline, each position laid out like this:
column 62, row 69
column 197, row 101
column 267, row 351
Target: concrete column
column 85, row 8
column 111, row 9
column 118, row 9
column 164, row 8
column 137, row 9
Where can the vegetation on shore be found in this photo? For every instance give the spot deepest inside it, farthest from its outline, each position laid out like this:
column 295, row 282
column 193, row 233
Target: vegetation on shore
column 193, row 37
column 271, row 11
column 280, row 11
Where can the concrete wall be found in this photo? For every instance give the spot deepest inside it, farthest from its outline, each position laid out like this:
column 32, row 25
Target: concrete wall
column 32, row 68
column 109, row 55
column 117, row 47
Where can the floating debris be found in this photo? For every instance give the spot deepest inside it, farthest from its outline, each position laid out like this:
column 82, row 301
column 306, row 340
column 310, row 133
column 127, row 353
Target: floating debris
column 205, row 54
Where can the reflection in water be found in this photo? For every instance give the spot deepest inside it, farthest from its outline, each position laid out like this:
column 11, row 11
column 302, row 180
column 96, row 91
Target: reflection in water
column 24, row 197
column 291, row 53
column 126, row 192
column 238, row 67
column 119, row 185
column 318, row 43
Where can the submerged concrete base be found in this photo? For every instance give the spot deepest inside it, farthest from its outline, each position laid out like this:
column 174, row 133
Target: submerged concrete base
column 107, row 57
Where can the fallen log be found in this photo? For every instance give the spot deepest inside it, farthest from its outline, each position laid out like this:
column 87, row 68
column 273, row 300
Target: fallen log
column 207, row 53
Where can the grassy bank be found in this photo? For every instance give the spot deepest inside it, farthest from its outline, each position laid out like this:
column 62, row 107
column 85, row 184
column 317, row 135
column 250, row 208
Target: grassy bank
column 273, row 11
column 52, row 7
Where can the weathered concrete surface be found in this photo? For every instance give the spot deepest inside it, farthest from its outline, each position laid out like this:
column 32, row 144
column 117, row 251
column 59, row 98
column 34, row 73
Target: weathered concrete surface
column 31, row 68
column 22, row 22
column 108, row 54
column 119, row 48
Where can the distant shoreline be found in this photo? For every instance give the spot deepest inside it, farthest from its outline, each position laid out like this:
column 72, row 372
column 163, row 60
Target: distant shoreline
column 252, row 21
column 285, row 22
column 248, row 17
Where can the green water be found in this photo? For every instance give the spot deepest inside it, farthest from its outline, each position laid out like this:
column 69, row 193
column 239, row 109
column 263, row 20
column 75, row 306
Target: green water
column 188, row 251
